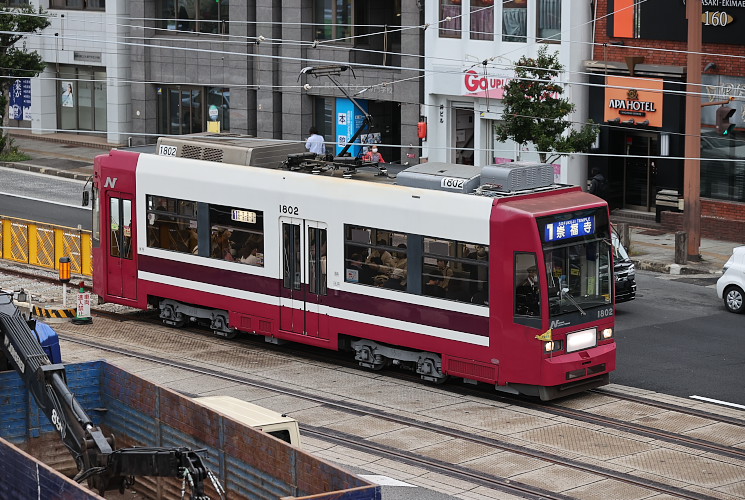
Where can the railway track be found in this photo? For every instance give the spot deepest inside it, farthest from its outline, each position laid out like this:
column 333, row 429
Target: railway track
column 455, row 435
column 458, row 437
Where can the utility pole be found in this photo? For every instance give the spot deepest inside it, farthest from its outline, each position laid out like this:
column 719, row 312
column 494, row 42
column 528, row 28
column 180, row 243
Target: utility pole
column 692, row 189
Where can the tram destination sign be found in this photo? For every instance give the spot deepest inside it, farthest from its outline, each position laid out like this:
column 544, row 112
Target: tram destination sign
column 572, row 228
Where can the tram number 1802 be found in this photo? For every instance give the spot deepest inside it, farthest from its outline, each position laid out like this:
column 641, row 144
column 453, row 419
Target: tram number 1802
column 289, row 210
column 452, row 183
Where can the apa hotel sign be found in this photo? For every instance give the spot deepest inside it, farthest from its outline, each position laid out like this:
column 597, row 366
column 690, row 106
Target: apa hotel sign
column 638, row 99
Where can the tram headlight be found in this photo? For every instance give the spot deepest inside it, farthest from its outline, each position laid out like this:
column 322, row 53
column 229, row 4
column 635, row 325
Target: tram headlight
column 553, row 346
column 606, row 333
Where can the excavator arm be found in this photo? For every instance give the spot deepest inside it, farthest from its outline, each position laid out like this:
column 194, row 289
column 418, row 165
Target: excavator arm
column 98, row 462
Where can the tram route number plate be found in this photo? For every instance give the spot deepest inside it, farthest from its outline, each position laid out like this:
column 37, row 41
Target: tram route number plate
column 165, row 150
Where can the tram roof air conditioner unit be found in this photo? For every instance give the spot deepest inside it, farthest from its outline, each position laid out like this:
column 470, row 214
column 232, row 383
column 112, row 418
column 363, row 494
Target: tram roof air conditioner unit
column 441, row 176
column 517, row 176
column 234, row 150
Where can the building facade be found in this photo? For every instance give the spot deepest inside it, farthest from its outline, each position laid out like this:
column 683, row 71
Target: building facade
column 638, row 90
column 241, row 63
column 136, row 70
column 85, row 87
column 471, row 47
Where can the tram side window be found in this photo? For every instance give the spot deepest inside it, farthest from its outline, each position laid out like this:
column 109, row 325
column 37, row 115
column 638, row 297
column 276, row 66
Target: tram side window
column 375, row 257
column 171, row 224
column 455, row 270
column 527, row 285
column 237, row 234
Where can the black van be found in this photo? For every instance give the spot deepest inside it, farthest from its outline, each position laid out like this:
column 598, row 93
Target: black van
column 624, row 271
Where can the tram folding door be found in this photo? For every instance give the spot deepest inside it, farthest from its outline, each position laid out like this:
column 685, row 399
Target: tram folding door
column 304, row 278
column 121, row 269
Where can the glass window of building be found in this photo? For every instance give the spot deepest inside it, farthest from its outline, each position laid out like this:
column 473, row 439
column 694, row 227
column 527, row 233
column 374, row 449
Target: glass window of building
column 451, row 12
column 201, row 16
column 515, row 21
column 722, row 166
column 333, row 19
column 548, row 19
column 181, row 109
column 82, row 99
column 482, row 19
column 77, row 4
column 323, row 117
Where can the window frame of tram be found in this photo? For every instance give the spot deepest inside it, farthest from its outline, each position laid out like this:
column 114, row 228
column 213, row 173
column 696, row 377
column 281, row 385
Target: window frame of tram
column 373, row 257
column 235, row 234
column 180, row 110
column 82, row 99
column 120, row 214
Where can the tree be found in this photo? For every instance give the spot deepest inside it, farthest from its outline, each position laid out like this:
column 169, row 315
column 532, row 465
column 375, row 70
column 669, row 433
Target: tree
column 15, row 60
column 534, row 110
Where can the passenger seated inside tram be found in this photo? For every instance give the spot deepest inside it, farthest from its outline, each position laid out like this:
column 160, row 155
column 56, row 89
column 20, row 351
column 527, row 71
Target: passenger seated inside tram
column 433, row 284
column 382, row 263
column 397, row 279
column 358, row 271
column 249, row 256
column 447, row 273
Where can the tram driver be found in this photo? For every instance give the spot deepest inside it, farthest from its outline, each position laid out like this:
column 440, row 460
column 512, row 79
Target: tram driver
column 527, row 294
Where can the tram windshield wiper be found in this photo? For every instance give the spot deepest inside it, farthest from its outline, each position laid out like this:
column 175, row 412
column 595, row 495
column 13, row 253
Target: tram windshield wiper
column 565, row 293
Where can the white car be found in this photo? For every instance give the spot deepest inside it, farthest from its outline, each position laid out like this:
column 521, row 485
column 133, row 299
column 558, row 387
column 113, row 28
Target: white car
column 731, row 286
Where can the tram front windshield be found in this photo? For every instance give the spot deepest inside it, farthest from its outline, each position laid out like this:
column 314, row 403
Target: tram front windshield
column 578, row 263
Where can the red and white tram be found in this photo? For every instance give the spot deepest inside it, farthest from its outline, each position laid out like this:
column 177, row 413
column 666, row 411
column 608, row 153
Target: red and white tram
column 493, row 275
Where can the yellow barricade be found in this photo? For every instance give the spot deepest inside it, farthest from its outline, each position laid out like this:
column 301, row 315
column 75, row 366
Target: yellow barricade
column 42, row 245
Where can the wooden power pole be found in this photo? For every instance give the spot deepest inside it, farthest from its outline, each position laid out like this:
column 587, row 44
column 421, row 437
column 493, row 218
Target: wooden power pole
column 692, row 189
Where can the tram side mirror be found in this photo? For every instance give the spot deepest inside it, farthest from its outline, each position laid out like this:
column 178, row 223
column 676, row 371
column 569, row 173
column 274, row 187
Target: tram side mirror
column 86, row 198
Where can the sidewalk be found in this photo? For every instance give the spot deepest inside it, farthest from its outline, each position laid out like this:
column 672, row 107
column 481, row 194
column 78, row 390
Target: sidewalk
column 654, row 250
column 71, row 156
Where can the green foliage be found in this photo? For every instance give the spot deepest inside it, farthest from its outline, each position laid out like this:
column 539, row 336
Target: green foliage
column 12, row 154
column 535, row 111
column 16, row 62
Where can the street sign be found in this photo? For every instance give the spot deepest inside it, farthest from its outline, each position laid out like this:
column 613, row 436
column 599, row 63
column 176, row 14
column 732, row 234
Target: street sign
column 84, row 305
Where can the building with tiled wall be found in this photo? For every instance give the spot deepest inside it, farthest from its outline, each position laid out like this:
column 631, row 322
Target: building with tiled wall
column 642, row 151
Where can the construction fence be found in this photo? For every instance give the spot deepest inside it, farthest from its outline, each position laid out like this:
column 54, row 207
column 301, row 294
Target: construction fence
column 43, row 245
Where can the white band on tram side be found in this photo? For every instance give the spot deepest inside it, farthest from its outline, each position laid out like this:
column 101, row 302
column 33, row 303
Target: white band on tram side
column 335, row 312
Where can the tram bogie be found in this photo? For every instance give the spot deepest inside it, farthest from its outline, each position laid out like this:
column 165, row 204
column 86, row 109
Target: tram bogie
column 437, row 271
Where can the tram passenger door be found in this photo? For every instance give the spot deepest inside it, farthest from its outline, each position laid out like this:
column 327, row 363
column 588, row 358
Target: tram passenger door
column 121, row 270
column 304, row 282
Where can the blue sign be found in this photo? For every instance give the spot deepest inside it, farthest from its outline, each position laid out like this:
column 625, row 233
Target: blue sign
column 20, row 99
column 348, row 120
column 572, row 228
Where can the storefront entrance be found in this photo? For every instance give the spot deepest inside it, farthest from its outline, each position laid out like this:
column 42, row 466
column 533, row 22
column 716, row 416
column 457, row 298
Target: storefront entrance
column 633, row 174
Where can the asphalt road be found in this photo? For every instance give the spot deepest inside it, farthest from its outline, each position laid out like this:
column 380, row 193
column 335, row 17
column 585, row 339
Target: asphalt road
column 677, row 338
column 43, row 198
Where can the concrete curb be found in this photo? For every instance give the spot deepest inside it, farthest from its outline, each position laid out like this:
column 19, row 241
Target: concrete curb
column 29, row 167
column 668, row 268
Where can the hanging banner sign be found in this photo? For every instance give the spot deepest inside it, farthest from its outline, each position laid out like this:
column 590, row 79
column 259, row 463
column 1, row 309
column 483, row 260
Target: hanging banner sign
column 348, row 120
column 20, row 100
